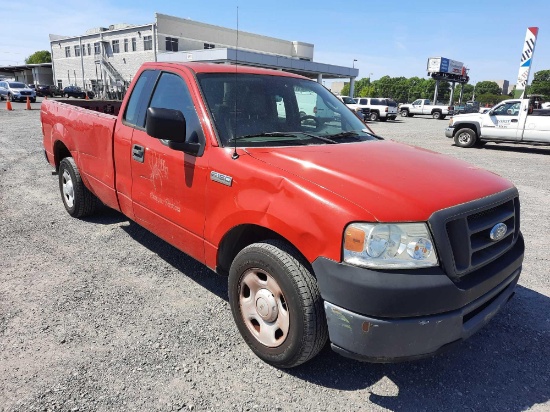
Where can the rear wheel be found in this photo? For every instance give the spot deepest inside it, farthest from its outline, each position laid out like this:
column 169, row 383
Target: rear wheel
column 465, row 137
column 276, row 304
column 436, row 115
column 374, row 116
column 78, row 200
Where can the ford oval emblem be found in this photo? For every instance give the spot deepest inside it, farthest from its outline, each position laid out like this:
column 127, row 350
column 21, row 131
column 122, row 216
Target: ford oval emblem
column 498, row 231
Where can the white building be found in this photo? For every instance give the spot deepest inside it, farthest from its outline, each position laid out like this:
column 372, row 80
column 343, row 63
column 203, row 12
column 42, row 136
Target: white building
column 111, row 56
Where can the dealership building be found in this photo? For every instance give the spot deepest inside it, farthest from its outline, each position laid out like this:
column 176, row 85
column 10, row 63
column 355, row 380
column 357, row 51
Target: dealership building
column 107, row 58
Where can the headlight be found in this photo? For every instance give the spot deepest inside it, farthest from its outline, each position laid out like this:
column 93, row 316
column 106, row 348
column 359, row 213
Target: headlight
column 389, row 245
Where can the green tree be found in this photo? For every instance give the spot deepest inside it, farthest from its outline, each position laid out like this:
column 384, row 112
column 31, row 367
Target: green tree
column 42, row 56
column 466, row 95
column 541, row 83
column 487, row 87
column 490, row 99
column 345, row 90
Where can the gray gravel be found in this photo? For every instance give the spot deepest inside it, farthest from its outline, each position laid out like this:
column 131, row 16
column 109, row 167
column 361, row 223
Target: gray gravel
column 100, row 315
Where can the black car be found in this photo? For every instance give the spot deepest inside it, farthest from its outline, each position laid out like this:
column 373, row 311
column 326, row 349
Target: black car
column 77, row 92
column 47, row 90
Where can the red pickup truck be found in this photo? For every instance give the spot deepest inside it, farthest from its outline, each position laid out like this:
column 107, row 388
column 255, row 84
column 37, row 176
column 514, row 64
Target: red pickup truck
column 323, row 229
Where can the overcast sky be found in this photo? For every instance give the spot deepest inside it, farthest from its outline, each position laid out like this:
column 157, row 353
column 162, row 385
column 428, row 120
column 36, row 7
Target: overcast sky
column 386, row 37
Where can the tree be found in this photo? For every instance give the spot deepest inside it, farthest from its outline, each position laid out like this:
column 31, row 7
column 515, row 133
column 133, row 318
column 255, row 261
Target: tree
column 466, row 95
column 42, row 56
column 541, row 83
column 490, row 99
column 487, row 87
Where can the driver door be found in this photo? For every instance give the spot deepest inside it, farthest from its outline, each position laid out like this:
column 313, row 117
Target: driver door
column 169, row 186
column 502, row 122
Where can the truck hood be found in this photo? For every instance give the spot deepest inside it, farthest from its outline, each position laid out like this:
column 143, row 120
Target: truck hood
column 467, row 116
column 392, row 181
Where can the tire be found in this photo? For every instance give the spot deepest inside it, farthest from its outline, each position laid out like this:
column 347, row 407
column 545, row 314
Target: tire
column 373, row 116
column 404, row 113
column 465, row 137
column 67, row 95
column 78, row 200
column 436, row 115
column 10, row 97
column 270, row 277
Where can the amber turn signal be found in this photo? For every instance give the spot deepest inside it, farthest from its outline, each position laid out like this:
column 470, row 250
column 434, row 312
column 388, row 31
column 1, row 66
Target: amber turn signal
column 354, row 239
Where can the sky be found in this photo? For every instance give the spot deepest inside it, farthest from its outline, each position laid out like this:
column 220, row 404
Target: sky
column 386, row 38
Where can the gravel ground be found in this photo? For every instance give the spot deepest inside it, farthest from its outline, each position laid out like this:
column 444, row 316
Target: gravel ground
column 100, row 315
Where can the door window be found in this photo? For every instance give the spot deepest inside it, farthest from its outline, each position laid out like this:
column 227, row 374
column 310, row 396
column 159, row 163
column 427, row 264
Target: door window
column 508, row 109
column 171, row 92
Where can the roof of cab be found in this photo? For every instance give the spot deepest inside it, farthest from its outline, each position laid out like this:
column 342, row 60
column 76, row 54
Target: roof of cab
column 222, row 68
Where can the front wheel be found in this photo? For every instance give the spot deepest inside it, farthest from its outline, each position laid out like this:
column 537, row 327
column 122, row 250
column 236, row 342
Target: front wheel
column 78, row 200
column 465, row 137
column 404, row 113
column 276, row 304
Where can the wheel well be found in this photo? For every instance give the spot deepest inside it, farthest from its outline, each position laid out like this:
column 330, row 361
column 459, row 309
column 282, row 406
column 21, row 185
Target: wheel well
column 375, row 111
column 436, row 110
column 240, row 237
column 459, row 126
column 60, row 152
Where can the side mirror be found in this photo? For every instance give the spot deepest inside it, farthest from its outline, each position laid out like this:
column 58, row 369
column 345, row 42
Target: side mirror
column 170, row 125
column 165, row 124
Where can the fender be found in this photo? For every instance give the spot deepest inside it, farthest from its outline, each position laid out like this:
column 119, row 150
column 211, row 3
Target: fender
column 471, row 124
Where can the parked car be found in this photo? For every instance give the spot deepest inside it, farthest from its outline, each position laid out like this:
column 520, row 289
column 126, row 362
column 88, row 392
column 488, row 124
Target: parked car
column 15, row 91
column 380, row 109
column 425, row 107
column 77, row 92
column 47, row 90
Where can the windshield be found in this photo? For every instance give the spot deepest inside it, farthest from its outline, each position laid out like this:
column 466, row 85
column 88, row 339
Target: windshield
column 263, row 110
column 15, row 85
column 348, row 100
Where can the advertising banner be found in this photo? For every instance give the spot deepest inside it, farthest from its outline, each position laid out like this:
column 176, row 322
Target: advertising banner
column 526, row 61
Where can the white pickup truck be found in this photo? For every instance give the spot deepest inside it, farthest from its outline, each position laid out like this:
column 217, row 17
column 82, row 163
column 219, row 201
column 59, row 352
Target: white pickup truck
column 424, row 107
column 511, row 120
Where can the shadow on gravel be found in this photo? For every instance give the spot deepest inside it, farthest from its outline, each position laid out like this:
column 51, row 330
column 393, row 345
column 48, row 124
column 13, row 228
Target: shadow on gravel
column 188, row 266
column 544, row 150
column 503, row 367
column 106, row 216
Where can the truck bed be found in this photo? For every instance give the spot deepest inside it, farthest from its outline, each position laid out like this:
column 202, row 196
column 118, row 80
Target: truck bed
column 85, row 128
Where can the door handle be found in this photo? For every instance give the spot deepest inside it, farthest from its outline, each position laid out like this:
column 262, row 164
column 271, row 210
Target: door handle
column 514, row 120
column 138, row 153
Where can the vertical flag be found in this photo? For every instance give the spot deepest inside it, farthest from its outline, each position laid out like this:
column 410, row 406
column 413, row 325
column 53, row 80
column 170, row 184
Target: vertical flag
column 526, row 60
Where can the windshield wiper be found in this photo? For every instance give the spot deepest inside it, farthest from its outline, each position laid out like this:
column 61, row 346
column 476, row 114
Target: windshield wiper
column 282, row 134
column 267, row 134
column 352, row 134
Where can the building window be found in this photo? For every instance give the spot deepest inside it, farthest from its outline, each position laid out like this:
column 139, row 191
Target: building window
column 134, row 44
column 171, row 44
column 97, row 49
column 76, row 51
column 125, row 45
column 116, row 47
column 84, row 50
column 209, row 46
column 89, row 49
column 67, row 51
column 60, row 84
column 147, row 42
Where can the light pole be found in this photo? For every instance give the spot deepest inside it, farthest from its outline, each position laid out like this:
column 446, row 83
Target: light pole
column 353, row 65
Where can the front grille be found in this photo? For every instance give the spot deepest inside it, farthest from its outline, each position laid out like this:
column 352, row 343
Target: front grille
column 25, row 93
column 464, row 243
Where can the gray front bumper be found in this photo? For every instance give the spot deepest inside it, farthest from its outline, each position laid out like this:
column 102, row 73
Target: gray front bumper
column 449, row 131
column 392, row 340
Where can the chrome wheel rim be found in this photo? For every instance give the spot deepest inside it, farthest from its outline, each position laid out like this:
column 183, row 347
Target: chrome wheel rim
column 263, row 308
column 68, row 189
column 464, row 138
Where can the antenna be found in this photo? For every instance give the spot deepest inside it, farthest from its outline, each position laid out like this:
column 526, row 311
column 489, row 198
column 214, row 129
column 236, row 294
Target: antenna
column 235, row 155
